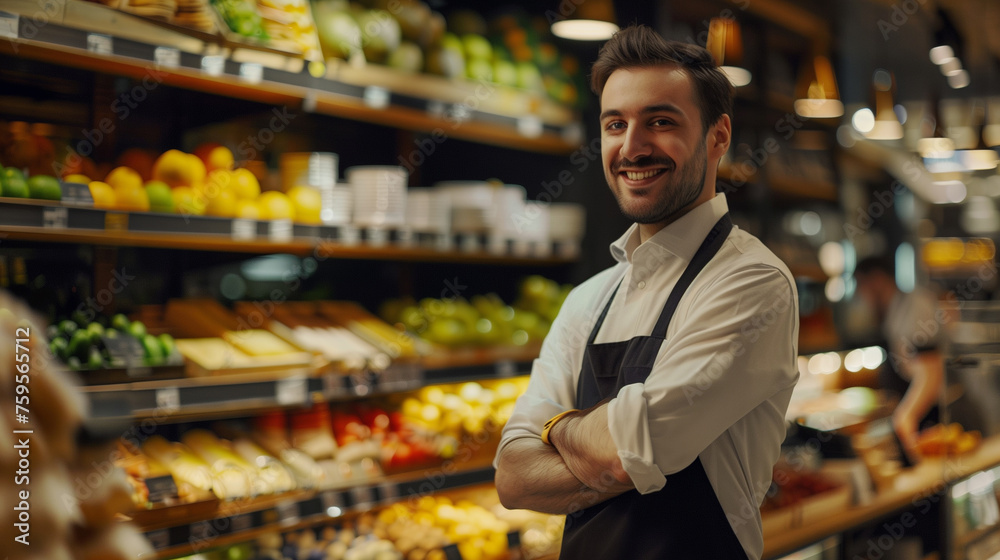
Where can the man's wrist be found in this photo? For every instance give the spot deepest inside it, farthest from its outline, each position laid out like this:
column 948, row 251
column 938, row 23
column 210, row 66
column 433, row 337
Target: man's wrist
column 550, row 425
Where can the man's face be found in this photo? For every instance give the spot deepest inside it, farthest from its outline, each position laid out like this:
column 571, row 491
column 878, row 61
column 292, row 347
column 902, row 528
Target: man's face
column 652, row 143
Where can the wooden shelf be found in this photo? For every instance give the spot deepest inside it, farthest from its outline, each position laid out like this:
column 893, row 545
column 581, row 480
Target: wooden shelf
column 493, row 114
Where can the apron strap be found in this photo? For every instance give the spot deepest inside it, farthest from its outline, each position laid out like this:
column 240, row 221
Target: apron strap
column 604, row 313
column 709, row 247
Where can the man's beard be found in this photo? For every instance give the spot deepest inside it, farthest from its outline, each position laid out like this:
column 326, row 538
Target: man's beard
column 679, row 192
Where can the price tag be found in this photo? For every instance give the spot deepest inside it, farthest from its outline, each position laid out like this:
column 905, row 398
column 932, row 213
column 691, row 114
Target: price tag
column 388, row 492
column 55, row 217
column 99, row 44
column 161, row 489
column 9, row 25
column 244, row 230
column 309, row 102
column 241, row 522
column 291, row 390
column 459, row 112
column 167, row 56
column 77, row 194
column 168, row 399
column 116, row 221
column 436, row 108
column 451, row 552
column 573, row 133
column 251, row 72
column 362, row 496
column 530, row 126
column 506, row 368
column 159, row 539
column 213, row 64
column 280, row 231
column 376, row 97
column 288, row 513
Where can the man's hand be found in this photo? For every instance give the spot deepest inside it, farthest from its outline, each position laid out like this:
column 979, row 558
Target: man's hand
column 586, row 446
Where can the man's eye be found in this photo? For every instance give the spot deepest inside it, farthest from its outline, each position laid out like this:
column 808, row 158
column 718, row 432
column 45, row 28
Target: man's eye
column 615, row 125
column 663, row 122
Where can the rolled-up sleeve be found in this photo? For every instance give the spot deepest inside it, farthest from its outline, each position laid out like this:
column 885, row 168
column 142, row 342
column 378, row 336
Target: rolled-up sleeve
column 732, row 350
column 552, row 386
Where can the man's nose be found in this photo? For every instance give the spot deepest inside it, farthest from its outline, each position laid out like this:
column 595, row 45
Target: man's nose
column 637, row 144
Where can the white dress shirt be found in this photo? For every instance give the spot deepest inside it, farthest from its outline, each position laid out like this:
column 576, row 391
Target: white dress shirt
column 721, row 382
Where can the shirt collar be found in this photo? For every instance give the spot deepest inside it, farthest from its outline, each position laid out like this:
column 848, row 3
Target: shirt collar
column 682, row 237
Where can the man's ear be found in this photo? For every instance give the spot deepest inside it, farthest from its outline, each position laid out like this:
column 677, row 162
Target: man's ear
column 719, row 136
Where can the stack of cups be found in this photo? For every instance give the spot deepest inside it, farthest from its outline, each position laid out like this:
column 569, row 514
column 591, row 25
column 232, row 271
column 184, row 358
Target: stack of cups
column 567, row 222
column 428, row 215
column 508, row 218
column 379, row 198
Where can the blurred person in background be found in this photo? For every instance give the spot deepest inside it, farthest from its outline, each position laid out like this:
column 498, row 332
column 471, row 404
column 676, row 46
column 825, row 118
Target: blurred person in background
column 912, row 330
column 656, row 410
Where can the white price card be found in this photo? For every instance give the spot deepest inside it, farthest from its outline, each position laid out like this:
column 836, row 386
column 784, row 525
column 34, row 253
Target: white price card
column 168, row 399
column 251, row 72
column 244, row 230
column 436, row 108
column 280, row 231
column 213, row 64
column 55, row 217
column 505, row 368
column 167, row 56
column 529, row 126
column 9, row 25
column 291, row 390
column 99, row 44
column 288, row 512
column 376, row 97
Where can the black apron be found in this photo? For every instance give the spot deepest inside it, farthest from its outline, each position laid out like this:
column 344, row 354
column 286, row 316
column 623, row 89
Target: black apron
column 684, row 520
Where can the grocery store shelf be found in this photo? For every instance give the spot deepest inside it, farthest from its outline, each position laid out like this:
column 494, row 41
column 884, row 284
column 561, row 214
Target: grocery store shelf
column 490, row 114
column 45, row 221
column 198, row 398
column 242, row 520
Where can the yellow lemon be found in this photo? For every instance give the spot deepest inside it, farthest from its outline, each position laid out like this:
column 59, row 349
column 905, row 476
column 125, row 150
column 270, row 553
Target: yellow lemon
column 245, row 184
column 132, row 199
column 179, row 169
column 274, row 205
column 247, row 209
column 219, row 158
column 196, row 168
column 223, row 205
column 77, row 178
column 306, row 201
column 218, row 180
column 124, row 177
column 189, row 201
column 103, row 194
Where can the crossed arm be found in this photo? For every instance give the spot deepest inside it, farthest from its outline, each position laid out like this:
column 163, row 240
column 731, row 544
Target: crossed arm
column 579, row 470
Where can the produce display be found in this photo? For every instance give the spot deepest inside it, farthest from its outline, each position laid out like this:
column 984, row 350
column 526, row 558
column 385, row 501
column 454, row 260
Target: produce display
column 14, row 184
column 790, row 486
column 943, row 440
column 84, row 344
column 462, row 410
column 485, row 320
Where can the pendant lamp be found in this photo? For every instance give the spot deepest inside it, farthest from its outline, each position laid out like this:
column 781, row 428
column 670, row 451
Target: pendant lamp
column 887, row 125
column 592, row 20
column 726, row 45
column 817, row 96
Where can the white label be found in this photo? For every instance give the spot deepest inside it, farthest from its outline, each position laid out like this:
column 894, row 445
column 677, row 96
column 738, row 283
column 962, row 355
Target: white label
column 436, row 108
column 251, row 72
column 530, row 126
column 99, row 44
column 168, row 399
column 244, row 229
column 309, row 102
column 9, row 25
column 505, row 368
column 280, row 231
column 55, row 217
column 573, row 133
column 167, row 56
column 332, row 500
column 333, row 386
column 376, row 97
column 291, row 390
column 288, row 513
column 213, row 64
column 459, row 112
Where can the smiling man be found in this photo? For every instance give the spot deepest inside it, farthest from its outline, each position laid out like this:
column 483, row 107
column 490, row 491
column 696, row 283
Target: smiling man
column 655, row 411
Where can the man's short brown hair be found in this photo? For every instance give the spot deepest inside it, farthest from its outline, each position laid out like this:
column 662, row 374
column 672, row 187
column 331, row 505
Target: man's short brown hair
column 639, row 46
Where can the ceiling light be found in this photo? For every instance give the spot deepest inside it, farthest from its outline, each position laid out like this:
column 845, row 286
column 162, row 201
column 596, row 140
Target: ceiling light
column 887, row 125
column 959, row 80
column 950, row 66
column 726, row 45
column 593, row 20
column 938, row 145
column 817, row 91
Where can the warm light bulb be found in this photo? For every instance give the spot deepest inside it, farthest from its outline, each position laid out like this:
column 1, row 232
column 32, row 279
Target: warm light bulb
column 584, row 29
